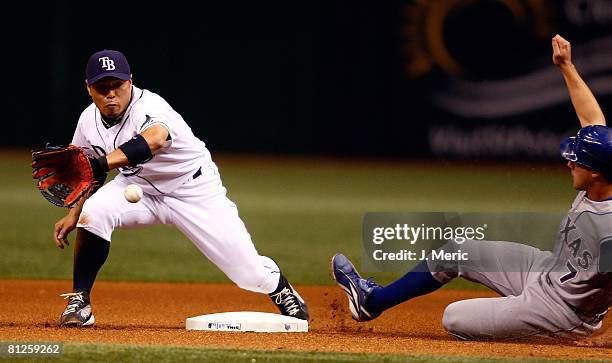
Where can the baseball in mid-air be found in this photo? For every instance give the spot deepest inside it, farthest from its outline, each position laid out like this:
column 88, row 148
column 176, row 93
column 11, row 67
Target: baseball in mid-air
column 133, row 193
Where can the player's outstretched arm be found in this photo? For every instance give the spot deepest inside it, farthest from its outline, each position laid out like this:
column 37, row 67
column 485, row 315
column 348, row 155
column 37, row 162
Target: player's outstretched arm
column 585, row 104
column 136, row 150
column 155, row 138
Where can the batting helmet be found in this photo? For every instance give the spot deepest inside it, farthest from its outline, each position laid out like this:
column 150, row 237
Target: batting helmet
column 591, row 147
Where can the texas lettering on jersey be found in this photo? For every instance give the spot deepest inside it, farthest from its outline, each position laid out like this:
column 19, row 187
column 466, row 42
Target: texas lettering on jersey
column 577, row 275
column 577, row 256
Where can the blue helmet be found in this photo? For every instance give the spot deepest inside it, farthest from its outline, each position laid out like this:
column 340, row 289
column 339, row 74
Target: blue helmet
column 591, row 147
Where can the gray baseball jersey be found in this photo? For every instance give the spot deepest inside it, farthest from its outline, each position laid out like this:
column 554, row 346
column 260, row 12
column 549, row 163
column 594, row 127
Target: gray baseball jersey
column 562, row 293
column 580, row 275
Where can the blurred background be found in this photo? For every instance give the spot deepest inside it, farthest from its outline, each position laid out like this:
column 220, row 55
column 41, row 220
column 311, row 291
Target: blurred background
column 453, row 78
column 315, row 111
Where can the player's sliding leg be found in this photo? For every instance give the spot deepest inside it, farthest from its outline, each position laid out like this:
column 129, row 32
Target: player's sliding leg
column 90, row 253
column 525, row 309
column 513, row 270
column 532, row 313
column 367, row 300
column 501, row 266
column 418, row 281
column 504, row 267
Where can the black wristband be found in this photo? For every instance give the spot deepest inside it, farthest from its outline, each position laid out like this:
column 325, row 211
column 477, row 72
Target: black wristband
column 137, row 150
column 103, row 164
column 99, row 166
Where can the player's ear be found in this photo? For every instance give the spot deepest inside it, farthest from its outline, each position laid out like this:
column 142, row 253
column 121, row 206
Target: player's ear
column 595, row 175
column 605, row 177
column 88, row 89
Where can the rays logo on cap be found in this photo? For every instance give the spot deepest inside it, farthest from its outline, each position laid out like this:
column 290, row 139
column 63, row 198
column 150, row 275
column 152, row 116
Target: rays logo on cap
column 107, row 63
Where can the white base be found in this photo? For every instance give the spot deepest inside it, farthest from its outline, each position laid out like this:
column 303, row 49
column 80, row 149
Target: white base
column 243, row 321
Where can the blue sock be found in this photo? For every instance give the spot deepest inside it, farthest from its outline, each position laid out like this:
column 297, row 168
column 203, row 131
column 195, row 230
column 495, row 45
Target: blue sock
column 90, row 253
column 416, row 282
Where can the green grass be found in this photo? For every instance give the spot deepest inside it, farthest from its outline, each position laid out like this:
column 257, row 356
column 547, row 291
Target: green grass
column 130, row 353
column 300, row 213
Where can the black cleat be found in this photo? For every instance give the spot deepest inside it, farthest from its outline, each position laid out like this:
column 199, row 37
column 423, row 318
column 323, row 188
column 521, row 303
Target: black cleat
column 288, row 301
column 78, row 311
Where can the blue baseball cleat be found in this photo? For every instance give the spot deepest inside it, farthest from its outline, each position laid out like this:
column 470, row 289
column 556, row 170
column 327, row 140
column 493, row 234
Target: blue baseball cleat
column 356, row 288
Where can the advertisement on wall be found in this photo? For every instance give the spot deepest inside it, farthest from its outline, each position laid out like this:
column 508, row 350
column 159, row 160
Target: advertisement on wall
column 485, row 69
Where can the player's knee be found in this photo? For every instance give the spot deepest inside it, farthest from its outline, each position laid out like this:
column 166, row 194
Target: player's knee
column 97, row 218
column 450, row 320
column 453, row 321
column 96, row 206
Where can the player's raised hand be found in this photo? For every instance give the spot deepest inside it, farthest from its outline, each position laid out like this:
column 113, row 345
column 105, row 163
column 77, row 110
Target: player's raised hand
column 562, row 51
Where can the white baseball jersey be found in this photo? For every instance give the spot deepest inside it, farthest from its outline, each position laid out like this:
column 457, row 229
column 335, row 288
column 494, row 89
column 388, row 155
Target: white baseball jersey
column 171, row 166
column 182, row 187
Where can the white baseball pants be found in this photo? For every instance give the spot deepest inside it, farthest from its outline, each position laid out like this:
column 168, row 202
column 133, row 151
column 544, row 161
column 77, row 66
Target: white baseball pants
column 201, row 210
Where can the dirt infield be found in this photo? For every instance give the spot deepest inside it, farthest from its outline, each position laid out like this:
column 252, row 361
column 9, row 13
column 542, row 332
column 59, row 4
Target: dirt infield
column 155, row 313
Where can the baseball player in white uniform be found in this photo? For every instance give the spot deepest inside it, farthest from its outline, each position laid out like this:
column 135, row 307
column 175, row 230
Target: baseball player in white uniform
column 137, row 132
column 562, row 293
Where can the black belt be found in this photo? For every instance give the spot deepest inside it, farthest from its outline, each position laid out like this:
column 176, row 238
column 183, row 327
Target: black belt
column 197, row 173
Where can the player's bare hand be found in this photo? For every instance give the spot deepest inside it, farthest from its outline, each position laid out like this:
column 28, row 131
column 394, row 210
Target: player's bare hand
column 62, row 228
column 562, row 51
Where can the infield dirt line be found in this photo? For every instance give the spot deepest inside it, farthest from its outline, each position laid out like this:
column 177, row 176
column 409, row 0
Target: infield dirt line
column 154, row 314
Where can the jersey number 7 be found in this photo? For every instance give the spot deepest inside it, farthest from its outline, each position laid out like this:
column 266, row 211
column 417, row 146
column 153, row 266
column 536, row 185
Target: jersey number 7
column 570, row 275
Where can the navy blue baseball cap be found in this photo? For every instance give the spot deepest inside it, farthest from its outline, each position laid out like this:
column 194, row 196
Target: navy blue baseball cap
column 107, row 63
column 591, row 147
